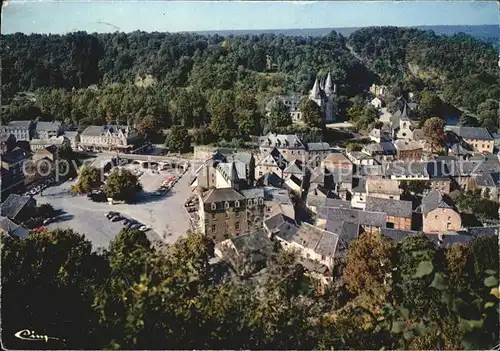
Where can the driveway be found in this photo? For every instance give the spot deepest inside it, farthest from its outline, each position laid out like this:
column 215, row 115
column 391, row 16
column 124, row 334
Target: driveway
column 165, row 215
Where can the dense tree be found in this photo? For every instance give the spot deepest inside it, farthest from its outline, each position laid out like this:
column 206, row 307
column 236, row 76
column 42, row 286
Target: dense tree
column 278, row 117
column 177, row 139
column 122, row 185
column 49, row 279
column 433, row 130
column 89, row 178
column 311, row 113
column 247, row 116
column 369, row 261
column 467, row 120
column 150, row 127
column 430, row 105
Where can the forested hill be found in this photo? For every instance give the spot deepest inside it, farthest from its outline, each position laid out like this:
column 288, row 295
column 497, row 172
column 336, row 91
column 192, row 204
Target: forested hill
column 187, row 65
column 487, row 33
column 463, row 69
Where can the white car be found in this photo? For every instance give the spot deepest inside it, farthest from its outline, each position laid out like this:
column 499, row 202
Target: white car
column 144, row 228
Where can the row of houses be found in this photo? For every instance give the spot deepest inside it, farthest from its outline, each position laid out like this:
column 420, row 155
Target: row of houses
column 40, row 134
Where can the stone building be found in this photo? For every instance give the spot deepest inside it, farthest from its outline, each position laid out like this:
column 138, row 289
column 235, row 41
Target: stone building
column 108, row 138
column 399, row 212
column 46, row 130
column 439, row 213
column 22, row 130
column 477, row 137
column 292, row 102
column 226, row 212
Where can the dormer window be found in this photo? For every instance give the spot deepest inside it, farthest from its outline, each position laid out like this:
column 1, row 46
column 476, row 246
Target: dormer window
column 250, row 202
column 214, row 206
column 226, row 205
column 237, row 204
column 261, row 201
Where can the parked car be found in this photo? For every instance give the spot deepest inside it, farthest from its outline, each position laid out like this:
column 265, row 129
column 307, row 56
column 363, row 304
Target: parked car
column 157, row 193
column 117, row 218
column 136, row 226
column 130, row 224
column 144, row 228
column 112, row 214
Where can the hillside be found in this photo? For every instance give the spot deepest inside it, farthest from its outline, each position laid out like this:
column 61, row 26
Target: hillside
column 186, row 65
column 487, row 33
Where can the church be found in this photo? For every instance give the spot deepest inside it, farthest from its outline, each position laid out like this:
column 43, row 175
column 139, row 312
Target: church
column 324, row 93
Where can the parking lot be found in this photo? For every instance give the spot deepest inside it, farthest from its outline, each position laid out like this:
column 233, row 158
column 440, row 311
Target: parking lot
column 165, row 215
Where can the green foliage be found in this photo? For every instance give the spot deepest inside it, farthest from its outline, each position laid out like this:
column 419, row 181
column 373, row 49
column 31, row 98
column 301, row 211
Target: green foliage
column 433, row 130
column 90, row 178
column 362, row 116
column 178, row 139
column 430, row 105
column 311, row 113
column 122, row 185
column 353, row 147
column 412, row 188
column 472, row 202
column 278, row 117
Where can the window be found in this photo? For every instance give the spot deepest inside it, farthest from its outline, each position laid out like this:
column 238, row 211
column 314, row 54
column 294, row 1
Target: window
column 226, row 236
column 268, row 209
column 214, row 206
column 449, row 218
column 213, row 228
column 308, row 255
column 250, row 202
column 448, row 226
column 261, row 201
column 436, row 217
column 226, row 205
column 323, row 257
column 298, row 152
column 389, row 225
column 237, row 226
column 260, row 174
column 292, row 152
column 237, row 204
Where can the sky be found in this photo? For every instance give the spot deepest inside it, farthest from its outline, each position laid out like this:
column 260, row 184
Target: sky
column 60, row 17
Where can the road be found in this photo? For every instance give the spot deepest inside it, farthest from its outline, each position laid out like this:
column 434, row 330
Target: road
column 165, row 215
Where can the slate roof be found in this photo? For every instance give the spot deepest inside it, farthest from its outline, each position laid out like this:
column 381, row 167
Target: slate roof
column 382, row 186
column 488, row 179
column 386, row 147
column 99, row 130
column 376, row 219
column 479, row 133
column 14, row 156
column 275, row 159
column 11, row 228
column 286, row 141
column 253, row 193
column 13, row 205
column 233, row 170
column 346, row 230
column 248, row 243
column 395, row 208
column 397, row 234
column 318, row 146
column 270, row 178
column 19, row 124
column 295, row 167
column 319, row 240
column 223, row 194
column 484, row 231
column 48, row 126
column 433, row 200
column 335, row 158
column 403, row 145
column 361, row 185
column 317, row 175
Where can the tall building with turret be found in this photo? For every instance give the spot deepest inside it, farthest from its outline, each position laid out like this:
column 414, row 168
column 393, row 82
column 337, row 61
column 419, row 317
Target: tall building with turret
column 324, row 93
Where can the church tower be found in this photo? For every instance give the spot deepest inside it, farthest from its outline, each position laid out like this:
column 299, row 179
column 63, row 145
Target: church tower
column 330, row 100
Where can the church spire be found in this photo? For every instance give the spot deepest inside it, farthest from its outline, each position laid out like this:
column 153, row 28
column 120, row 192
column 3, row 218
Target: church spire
column 315, row 90
column 329, row 84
